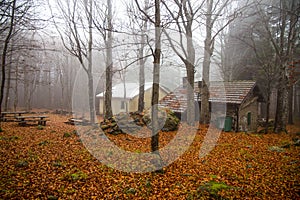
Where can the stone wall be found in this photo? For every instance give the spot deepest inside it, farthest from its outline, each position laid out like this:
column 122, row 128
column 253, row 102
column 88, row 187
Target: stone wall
column 248, row 115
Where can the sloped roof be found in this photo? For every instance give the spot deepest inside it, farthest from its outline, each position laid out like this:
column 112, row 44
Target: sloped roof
column 176, row 100
column 223, row 92
column 132, row 90
column 230, row 92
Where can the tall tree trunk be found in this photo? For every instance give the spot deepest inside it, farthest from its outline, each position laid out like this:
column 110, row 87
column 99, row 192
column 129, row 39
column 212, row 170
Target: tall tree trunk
column 281, row 107
column 190, row 69
column 125, row 94
column 290, row 105
column 90, row 64
column 26, row 89
column 16, row 86
column 190, row 94
column 155, row 89
column 204, row 113
column 7, row 100
column 141, row 100
column 109, row 64
column 4, row 53
column 268, row 109
column 6, row 104
column 296, row 102
column 185, row 19
column 141, row 103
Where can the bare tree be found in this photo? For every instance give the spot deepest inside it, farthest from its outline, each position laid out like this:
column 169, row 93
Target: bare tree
column 288, row 29
column 214, row 10
column 156, row 79
column 103, row 22
column 138, row 26
column 280, row 21
column 109, row 63
column 10, row 11
column 75, row 40
column 14, row 17
column 266, row 36
column 184, row 17
column 155, row 87
column 141, row 103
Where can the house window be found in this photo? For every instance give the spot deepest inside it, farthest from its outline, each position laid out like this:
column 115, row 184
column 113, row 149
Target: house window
column 123, row 104
column 249, row 118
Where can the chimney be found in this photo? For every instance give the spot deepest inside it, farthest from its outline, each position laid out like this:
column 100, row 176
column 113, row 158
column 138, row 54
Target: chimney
column 199, row 84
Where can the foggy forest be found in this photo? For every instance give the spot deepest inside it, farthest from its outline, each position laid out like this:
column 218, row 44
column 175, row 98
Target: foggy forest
column 49, row 45
column 206, row 62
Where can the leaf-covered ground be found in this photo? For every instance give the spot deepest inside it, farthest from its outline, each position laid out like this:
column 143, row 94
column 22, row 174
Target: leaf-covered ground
column 51, row 163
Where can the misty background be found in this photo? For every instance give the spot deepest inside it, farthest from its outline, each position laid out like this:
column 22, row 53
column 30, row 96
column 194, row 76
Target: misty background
column 42, row 73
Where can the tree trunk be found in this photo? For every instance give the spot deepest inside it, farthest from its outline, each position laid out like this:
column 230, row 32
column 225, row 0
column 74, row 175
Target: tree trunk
column 90, row 65
column 155, row 89
column 109, row 65
column 125, row 94
column 91, row 97
column 285, row 53
column 141, row 103
column 190, row 94
column 7, row 99
column 267, row 112
column 16, row 86
column 297, row 102
column 204, row 113
column 281, row 108
column 4, row 54
column 6, row 104
column 290, row 105
column 190, row 69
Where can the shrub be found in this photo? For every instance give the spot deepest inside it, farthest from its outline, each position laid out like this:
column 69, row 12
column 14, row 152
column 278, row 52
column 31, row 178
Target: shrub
column 77, row 176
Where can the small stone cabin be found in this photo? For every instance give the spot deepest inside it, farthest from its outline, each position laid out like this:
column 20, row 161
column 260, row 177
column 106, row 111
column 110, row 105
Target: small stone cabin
column 240, row 98
column 125, row 97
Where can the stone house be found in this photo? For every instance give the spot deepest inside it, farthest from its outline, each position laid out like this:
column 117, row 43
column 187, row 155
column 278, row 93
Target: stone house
column 240, row 99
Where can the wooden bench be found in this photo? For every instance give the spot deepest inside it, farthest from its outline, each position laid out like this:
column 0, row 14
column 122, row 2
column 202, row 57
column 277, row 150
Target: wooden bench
column 78, row 121
column 11, row 116
column 23, row 120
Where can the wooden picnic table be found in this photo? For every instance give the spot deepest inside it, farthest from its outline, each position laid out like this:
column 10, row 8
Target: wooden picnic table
column 26, row 118
column 11, row 115
column 77, row 121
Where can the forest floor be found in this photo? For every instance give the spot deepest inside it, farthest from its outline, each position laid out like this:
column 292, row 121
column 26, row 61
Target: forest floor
column 51, row 162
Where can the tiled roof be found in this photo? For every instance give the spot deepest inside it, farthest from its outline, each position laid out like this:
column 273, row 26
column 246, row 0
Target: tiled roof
column 222, row 92
column 230, row 92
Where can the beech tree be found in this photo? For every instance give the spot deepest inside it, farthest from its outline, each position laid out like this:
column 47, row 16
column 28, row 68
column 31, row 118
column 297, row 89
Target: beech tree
column 7, row 23
column 267, row 37
column 156, row 78
column 214, row 10
column 283, row 37
column 141, row 52
column 15, row 17
column 156, row 53
column 103, row 23
column 109, row 63
column 185, row 15
column 77, row 39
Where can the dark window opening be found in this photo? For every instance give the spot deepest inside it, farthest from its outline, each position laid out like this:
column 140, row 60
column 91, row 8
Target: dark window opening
column 249, row 118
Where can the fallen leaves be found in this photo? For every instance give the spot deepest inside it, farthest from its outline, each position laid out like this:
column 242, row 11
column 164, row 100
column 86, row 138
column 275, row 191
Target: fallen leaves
column 53, row 163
